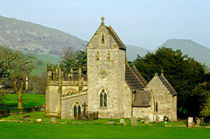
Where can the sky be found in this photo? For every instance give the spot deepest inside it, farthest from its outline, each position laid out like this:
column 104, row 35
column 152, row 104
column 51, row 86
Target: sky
column 143, row 23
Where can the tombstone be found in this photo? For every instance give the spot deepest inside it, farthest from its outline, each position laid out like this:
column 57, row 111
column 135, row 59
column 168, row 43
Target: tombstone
column 38, row 120
column 190, row 122
column 53, row 119
column 165, row 119
column 111, row 122
column 157, row 119
column 198, row 121
column 133, row 121
column 122, row 121
column 146, row 120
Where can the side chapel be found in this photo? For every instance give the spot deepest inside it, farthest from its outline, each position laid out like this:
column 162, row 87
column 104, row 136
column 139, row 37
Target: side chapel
column 111, row 87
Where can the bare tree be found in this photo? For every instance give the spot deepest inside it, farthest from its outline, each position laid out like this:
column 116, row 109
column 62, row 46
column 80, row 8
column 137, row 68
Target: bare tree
column 68, row 52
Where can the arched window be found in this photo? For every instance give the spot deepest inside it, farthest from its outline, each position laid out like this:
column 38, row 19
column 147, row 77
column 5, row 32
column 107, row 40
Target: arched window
column 103, row 98
column 102, row 38
column 97, row 55
column 156, row 108
column 79, row 112
column 75, row 111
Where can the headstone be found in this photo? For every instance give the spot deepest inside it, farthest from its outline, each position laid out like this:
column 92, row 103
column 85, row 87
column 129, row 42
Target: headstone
column 38, row 120
column 122, row 121
column 157, row 119
column 133, row 121
column 198, row 121
column 111, row 122
column 165, row 119
column 53, row 119
column 146, row 120
column 190, row 122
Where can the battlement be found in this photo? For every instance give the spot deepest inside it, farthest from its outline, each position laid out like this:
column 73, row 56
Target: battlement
column 55, row 73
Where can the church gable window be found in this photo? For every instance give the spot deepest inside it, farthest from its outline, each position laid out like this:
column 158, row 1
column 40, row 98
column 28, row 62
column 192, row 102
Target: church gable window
column 102, row 39
column 97, row 56
column 103, row 98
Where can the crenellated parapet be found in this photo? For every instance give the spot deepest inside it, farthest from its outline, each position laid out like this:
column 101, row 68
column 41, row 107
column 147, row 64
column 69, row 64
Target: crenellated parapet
column 55, row 74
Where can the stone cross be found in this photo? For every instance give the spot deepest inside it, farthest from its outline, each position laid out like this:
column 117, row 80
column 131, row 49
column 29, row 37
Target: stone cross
column 84, row 105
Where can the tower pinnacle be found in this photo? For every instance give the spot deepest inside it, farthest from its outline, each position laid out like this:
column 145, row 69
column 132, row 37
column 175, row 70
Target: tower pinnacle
column 102, row 20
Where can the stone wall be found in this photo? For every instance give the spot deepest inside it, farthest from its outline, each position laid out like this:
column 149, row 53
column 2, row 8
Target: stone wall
column 127, row 101
column 111, row 60
column 68, row 102
column 144, row 113
column 53, row 101
column 167, row 104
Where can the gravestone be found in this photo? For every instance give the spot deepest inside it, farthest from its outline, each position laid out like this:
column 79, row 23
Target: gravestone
column 122, row 121
column 53, row 119
column 157, row 119
column 198, row 121
column 146, row 120
column 133, row 121
column 190, row 122
column 111, row 122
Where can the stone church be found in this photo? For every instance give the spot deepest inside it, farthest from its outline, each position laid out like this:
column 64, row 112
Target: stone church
column 111, row 87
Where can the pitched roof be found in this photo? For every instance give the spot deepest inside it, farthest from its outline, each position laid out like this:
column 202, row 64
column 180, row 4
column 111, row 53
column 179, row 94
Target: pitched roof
column 134, row 79
column 141, row 99
column 167, row 85
column 116, row 38
column 140, row 77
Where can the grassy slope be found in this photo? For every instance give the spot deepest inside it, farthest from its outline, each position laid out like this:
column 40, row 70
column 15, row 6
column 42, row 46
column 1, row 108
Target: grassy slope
column 60, row 131
column 45, row 59
column 29, row 100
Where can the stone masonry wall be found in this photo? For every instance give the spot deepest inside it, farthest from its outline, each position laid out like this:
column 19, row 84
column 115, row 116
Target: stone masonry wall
column 167, row 105
column 111, row 60
column 68, row 103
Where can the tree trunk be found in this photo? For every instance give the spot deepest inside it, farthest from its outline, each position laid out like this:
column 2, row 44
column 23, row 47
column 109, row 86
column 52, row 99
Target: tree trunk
column 20, row 102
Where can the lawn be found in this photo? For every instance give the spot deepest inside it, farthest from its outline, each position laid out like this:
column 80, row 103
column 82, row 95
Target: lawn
column 10, row 130
column 29, row 100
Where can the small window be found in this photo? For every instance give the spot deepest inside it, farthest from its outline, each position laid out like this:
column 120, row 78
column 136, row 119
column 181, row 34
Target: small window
column 108, row 56
column 156, row 107
column 97, row 56
column 102, row 38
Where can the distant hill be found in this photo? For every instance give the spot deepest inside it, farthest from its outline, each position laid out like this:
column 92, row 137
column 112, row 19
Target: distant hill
column 29, row 37
column 133, row 51
column 191, row 48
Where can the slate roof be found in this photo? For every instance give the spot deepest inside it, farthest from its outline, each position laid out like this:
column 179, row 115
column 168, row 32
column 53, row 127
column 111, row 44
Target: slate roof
column 116, row 38
column 140, row 77
column 167, row 85
column 141, row 99
column 132, row 79
column 137, row 83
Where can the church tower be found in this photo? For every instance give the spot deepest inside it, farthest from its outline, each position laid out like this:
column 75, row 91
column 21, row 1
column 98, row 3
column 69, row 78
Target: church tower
column 106, row 57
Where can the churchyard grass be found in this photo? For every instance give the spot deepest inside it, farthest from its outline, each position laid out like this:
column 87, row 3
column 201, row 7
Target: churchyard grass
column 11, row 130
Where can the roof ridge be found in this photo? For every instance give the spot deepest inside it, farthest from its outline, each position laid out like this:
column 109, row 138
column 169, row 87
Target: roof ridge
column 168, row 84
column 112, row 30
column 140, row 75
column 135, row 75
